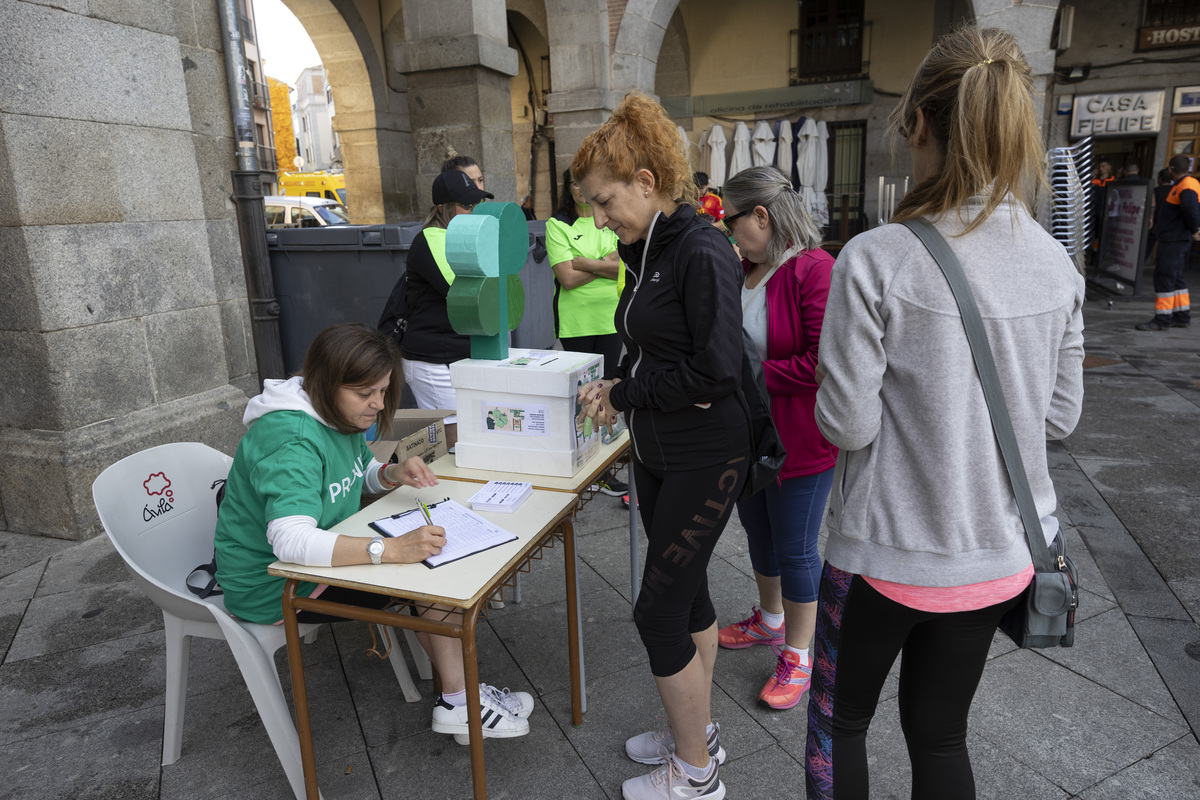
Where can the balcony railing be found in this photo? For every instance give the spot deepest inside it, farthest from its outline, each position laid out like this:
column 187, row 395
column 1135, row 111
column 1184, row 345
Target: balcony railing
column 266, row 158
column 260, row 95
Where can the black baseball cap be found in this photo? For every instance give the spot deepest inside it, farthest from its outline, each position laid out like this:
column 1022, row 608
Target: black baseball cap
column 456, row 186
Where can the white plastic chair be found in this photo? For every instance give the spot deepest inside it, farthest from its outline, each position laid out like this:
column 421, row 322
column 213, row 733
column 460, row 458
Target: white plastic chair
column 159, row 509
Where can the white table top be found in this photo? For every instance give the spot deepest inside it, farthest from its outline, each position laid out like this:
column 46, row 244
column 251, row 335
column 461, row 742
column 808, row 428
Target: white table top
column 460, row 583
column 447, row 467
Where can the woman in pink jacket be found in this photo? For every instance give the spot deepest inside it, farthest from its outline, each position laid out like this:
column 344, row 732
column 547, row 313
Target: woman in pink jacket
column 783, row 305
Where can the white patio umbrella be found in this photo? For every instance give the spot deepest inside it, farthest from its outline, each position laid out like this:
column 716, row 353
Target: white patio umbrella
column 716, row 156
column 764, row 144
column 820, row 207
column 703, row 145
column 783, row 148
column 806, row 163
column 687, row 145
column 741, row 150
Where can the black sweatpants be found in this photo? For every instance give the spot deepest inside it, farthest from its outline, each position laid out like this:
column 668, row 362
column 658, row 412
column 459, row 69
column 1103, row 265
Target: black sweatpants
column 684, row 513
column 605, row 344
column 859, row 634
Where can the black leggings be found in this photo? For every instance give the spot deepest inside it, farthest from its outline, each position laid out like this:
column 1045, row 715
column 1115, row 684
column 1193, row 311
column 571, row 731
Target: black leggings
column 859, row 634
column 603, row 344
column 683, row 514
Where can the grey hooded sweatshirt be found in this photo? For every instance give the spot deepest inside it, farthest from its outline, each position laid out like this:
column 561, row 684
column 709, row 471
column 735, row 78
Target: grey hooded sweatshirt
column 920, row 494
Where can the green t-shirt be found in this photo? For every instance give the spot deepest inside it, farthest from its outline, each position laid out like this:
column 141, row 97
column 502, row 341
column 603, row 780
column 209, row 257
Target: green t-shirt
column 287, row 464
column 586, row 310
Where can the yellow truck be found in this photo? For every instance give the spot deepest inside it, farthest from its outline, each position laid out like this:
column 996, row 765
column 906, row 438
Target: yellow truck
column 328, row 185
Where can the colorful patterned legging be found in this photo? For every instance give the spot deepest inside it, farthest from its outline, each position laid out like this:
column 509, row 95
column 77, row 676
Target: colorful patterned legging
column 859, row 634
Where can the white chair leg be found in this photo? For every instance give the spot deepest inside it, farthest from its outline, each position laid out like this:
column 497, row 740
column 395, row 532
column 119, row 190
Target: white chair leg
column 420, row 657
column 399, row 665
column 179, row 649
column 311, row 636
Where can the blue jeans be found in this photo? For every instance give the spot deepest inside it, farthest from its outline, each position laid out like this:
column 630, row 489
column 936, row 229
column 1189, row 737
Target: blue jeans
column 781, row 525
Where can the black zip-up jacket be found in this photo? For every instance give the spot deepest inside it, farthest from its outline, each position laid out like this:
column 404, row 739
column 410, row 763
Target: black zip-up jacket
column 1179, row 216
column 680, row 317
column 429, row 336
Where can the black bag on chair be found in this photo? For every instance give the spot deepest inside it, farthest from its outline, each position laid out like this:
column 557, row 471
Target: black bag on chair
column 1045, row 615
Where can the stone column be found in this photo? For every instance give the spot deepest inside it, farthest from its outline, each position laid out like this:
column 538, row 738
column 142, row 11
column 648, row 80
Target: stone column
column 123, row 315
column 1031, row 24
column 581, row 75
column 457, row 63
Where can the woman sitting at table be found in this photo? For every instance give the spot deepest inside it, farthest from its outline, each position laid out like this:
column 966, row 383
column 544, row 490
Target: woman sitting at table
column 301, row 469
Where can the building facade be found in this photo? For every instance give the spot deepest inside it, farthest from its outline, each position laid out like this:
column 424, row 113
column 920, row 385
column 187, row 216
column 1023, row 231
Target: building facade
column 312, row 121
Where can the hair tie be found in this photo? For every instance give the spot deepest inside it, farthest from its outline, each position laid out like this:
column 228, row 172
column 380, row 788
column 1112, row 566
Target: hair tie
column 984, row 63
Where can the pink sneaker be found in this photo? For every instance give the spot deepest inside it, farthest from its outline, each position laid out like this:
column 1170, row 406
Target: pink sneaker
column 791, row 679
column 749, row 632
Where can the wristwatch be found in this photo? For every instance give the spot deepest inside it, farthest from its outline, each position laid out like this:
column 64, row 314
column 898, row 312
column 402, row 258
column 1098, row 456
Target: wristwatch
column 375, row 550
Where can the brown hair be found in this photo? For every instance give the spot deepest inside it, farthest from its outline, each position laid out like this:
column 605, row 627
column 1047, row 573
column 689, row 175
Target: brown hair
column 639, row 135
column 352, row 355
column 976, row 92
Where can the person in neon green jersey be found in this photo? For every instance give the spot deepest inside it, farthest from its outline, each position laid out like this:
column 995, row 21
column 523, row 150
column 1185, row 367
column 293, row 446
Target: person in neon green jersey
column 588, row 278
column 430, row 344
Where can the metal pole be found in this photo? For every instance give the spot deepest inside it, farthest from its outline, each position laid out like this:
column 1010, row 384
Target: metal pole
column 247, row 196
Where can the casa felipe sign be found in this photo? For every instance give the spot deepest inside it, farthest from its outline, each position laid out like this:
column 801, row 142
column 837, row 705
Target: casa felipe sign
column 1128, row 114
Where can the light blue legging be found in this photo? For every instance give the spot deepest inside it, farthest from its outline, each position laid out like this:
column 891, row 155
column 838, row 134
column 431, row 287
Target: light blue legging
column 781, row 525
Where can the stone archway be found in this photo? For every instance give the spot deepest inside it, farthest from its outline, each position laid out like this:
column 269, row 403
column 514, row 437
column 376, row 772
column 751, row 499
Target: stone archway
column 639, row 38
column 371, row 105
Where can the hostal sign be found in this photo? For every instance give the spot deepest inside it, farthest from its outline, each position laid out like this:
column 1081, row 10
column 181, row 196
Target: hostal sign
column 1128, row 114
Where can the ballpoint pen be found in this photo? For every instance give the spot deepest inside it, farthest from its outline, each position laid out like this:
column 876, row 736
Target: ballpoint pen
column 425, row 512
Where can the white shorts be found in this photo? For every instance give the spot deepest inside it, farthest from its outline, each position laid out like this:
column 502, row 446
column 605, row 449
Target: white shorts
column 430, row 384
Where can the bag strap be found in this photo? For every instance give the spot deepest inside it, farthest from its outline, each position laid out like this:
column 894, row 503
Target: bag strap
column 992, row 393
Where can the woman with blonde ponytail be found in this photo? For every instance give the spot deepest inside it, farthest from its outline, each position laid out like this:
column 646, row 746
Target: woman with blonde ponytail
column 926, row 550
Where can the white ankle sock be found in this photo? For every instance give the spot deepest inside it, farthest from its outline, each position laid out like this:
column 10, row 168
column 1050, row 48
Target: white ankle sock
column 771, row 620
column 709, row 729
column 802, row 653
column 456, row 699
column 699, row 773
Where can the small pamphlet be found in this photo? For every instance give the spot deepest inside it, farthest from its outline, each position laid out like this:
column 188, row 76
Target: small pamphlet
column 502, row 496
column 467, row 533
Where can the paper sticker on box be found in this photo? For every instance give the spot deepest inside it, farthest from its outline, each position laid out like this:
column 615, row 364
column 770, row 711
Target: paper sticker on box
column 523, row 420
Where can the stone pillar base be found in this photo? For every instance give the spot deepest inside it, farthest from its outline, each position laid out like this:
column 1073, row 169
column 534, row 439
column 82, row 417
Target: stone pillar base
column 46, row 476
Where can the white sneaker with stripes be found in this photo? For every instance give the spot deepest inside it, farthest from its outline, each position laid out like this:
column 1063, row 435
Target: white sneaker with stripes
column 499, row 721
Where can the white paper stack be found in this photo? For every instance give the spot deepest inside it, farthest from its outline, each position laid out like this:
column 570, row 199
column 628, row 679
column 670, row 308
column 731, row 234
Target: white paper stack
column 503, row 496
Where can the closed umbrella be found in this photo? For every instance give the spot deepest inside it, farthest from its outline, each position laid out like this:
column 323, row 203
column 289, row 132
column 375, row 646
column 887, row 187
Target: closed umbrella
column 764, row 144
column 783, row 148
column 821, row 174
column 741, row 150
column 806, row 162
column 703, row 145
column 687, row 144
column 716, row 156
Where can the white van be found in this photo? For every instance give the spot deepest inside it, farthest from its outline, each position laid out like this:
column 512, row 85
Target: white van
column 303, row 212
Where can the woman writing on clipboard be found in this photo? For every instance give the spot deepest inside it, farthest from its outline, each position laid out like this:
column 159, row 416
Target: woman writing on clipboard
column 299, row 470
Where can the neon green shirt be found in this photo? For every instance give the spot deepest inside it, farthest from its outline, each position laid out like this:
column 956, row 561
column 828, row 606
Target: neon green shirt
column 287, row 464
column 586, row 310
column 435, row 237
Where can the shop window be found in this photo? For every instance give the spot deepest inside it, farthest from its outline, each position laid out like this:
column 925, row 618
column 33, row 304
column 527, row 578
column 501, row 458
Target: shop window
column 829, row 41
column 1184, row 138
column 847, row 170
column 1170, row 12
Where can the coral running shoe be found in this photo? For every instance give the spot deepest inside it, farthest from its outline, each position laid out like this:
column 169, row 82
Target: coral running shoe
column 791, row 679
column 749, row 632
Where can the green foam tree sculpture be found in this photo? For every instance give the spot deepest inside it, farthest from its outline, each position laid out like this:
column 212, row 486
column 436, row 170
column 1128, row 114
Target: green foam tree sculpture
column 486, row 249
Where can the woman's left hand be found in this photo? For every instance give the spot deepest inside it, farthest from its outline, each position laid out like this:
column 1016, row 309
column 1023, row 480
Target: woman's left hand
column 414, row 472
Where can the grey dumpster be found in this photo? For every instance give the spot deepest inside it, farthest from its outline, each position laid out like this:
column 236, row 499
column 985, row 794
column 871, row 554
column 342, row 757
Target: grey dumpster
column 324, row 276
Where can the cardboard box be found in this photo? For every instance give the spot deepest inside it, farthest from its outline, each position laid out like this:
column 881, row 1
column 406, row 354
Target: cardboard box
column 415, row 432
column 520, row 415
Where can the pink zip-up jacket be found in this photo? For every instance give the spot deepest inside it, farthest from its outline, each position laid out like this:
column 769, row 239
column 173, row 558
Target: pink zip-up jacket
column 795, row 310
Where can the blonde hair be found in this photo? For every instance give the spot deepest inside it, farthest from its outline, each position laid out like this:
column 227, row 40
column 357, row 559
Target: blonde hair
column 975, row 90
column 639, row 135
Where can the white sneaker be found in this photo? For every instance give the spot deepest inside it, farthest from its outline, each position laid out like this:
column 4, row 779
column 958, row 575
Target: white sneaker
column 519, row 704
column 498, row 721
column 670, row 782
column 652, row 747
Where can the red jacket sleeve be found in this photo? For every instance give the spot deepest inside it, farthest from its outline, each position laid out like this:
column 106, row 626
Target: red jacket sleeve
column 796, row 373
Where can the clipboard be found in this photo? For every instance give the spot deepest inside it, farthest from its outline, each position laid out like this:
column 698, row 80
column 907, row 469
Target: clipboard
column 467, row 533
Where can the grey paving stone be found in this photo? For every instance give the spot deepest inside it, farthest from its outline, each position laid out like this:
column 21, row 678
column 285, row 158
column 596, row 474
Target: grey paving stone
column 110, row 759
column 10, row 618
column 19, row 550
column 546, row 582
column 1173, row 771
column 1188, row 592
column 1174, row 647
column 608, row 555
column 610, row 641
column 1108, row 652
column 65, row 620
column 1061, row 724
column 770, row 772
column 22, row 584
column 1129, row 574
column 87, row 564
column 347, row 778
column 1090, row 576
column 225, row 745
column 540, row 766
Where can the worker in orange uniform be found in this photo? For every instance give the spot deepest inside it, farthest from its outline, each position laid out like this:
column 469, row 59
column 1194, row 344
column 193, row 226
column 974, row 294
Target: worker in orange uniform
column 1176, row 223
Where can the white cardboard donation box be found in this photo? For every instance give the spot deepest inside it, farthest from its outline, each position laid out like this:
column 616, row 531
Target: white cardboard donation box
column 520, row 414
